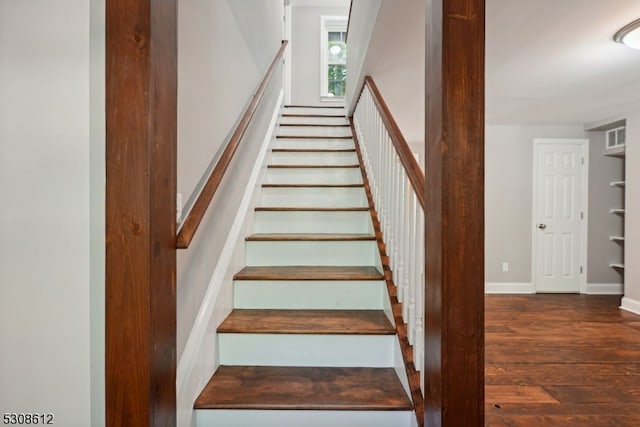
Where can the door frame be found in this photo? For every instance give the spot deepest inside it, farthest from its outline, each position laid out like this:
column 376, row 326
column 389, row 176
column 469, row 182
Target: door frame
column 584, row 228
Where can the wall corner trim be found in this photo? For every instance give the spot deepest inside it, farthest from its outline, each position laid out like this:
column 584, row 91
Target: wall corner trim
column 509, row 288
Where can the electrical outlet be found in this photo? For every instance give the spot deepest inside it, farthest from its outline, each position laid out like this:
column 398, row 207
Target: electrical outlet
column 178, row 207
column 505, row 266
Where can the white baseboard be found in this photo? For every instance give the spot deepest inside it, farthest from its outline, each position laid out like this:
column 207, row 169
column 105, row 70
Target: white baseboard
column 604, row 289
column 508, row 288
column 187, row 386
column 630, row 305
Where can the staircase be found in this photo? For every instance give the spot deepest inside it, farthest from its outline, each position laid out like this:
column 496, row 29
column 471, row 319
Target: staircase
column 311, row 339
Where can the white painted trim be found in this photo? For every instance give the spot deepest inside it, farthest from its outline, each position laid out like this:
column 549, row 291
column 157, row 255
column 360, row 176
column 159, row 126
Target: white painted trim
column 337, row 100
column 604, row 289
column 585, row 206
column 327, row 24
column 298, row 417
column 399, row 366
column 508, row 288
column 630, row 305
column 189, row 356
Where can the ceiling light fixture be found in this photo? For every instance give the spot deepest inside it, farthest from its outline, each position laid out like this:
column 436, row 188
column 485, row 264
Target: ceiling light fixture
column 629, row 35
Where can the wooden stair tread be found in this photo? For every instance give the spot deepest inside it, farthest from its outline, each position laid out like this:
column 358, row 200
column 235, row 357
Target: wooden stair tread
column 308, row 209
column 327, row 322
column 312, row 137
column 308, row 237
column 313, row 150
column 312, row 185
column 314, row 125
column 309, row 273
column 313, row 115
column 313, row 166
column 304, row 388
column 313, row 106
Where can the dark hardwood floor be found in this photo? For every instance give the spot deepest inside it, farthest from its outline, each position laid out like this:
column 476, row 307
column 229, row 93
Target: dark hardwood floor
column 561, row 360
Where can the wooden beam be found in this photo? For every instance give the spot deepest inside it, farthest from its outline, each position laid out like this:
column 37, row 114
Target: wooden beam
column 454, row 148
column 141, row 81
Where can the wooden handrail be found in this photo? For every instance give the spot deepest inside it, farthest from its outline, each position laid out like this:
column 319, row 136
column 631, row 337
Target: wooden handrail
column 193, row 219
column 409, row 162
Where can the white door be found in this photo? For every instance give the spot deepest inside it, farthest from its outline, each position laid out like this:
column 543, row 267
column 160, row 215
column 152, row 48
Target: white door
column 559, row 229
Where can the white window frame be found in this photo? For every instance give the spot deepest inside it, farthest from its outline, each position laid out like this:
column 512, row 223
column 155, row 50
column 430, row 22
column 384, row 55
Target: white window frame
column 616, row 137
column 327, row 25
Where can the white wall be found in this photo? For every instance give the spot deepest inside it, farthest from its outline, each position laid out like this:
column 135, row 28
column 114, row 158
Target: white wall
column 224, row 48
column 394, row 58
column 362, row 22
column 97, row 208
column 508, row 202
column 45, row 215
column 305, row 52
column 632, row 217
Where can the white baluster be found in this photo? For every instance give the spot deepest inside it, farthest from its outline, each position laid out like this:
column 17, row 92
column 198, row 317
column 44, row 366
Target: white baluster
column 395, row 255
column 409, row 262
column 402, row 229
column 388, row 231
column 418, row 351
column 383, row 181
column 389, row 208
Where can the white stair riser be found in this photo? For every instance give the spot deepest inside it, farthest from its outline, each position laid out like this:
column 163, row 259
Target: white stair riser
column 314, row 158
column 314, row 197
column 375, row 351
column 313, row 222
column 338, row 253
column 298, row 418
column 314, row 144
column 314, row 130
column 314, row 111
column 313, row 176
column 315, row 120
column 310, row 294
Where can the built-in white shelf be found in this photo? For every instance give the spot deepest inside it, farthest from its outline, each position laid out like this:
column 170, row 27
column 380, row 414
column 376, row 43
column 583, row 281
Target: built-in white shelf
column 615, row 136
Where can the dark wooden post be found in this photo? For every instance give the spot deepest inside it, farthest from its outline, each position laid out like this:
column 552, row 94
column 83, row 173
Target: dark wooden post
column 454, row 334
column 141, row 80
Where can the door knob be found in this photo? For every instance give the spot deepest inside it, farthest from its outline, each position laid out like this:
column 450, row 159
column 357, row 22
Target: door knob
column 542, row 226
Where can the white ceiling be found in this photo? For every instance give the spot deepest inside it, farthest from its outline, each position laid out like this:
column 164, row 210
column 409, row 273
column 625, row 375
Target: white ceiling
column 555, row 61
